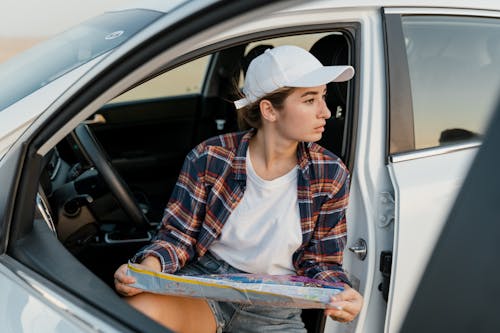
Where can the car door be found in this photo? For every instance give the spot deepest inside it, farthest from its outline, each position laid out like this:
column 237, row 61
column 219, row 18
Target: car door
column 29, row 300
column 33, row 263
column 441, row 97
column 446, row 303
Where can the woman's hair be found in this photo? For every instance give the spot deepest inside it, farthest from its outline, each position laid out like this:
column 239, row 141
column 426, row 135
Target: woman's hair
column 249, row 116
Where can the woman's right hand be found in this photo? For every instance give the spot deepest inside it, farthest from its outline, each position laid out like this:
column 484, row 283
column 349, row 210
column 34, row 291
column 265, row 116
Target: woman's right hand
column 123, row 281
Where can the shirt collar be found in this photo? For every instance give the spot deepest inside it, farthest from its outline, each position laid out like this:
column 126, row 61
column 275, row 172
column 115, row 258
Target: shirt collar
column 239, row 164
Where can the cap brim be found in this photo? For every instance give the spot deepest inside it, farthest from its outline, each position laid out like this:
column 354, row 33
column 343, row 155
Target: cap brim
column 241, row 103
column 324, row 75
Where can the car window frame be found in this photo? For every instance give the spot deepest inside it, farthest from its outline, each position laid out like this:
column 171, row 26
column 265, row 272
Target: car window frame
column 400, row 123
column 9, row 178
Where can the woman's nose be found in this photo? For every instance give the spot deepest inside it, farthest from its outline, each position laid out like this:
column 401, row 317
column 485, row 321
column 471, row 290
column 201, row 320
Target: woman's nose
column 324, row 111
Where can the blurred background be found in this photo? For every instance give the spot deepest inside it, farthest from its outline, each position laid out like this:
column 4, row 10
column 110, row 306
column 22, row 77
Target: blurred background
column 23, row 23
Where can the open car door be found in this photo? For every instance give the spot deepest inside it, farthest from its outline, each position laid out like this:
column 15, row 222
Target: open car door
column 435, row 131
column 32, row 259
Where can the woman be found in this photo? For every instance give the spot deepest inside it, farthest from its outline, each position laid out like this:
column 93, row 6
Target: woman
column 267, row 200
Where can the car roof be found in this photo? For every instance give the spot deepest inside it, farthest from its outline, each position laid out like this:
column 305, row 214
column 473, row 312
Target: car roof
column 157, row 5
column 460, row 4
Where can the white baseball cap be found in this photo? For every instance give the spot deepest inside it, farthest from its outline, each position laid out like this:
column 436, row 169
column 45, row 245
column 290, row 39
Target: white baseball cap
column 287, row 66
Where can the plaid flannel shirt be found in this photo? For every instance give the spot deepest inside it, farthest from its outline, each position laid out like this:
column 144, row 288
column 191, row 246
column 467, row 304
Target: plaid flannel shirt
column 211, row 184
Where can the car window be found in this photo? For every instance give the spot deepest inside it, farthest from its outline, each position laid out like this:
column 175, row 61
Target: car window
column 188, row 78
column 50, row 60
column 216, row 76
column 185, row 79
column 454, row 67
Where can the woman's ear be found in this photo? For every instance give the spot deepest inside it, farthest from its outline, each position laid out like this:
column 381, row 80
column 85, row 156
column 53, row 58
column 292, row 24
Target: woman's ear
column 267, row 111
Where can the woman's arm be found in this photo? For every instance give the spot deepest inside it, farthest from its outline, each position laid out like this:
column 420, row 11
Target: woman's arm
column 322, row 257
column 324, row 254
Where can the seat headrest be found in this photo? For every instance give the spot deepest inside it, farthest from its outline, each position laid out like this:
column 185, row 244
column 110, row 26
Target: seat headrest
column 331, row 50
column 252, row 54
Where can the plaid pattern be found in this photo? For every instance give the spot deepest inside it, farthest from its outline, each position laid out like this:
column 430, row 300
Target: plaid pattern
column 211, row 184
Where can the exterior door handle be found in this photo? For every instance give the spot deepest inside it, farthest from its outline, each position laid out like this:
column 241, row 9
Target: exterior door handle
column 97, row 119
column 359, row 248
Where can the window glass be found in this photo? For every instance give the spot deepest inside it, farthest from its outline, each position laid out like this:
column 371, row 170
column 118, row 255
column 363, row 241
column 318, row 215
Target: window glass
column 55, row 57
column 454, row 65
column 185, row 79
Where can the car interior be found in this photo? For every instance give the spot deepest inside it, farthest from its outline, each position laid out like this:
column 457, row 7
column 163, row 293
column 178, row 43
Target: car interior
column 103, row 188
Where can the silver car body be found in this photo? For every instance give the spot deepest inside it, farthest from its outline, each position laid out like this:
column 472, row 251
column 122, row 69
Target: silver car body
column 399, row 202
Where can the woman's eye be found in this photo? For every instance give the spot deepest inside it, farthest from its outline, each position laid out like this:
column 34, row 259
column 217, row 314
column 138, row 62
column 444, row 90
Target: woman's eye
column 310, row 101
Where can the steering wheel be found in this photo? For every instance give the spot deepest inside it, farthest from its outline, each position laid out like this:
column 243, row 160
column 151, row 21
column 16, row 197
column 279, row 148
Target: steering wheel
column 120, row 190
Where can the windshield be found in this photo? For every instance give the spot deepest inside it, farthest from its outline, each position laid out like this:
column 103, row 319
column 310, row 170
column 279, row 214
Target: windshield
column 44, row 63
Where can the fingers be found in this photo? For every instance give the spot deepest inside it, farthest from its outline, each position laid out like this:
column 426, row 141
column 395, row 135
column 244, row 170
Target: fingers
column 122, row 282
column 345, row 306
column 121, row 275
column 340, row 315
column 125, row 290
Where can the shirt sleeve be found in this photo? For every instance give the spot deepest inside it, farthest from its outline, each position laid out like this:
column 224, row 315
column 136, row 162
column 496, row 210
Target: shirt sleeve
column 174, row 244
column 322, row 258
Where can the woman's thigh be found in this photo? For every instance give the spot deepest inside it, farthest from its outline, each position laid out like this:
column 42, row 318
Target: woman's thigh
column 232, row 317
column 180, row 314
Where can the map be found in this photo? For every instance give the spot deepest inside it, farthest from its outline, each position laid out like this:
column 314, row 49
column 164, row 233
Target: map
column 270, row 290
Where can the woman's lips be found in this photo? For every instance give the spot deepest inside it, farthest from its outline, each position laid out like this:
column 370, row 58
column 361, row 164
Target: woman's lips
column 320, row 128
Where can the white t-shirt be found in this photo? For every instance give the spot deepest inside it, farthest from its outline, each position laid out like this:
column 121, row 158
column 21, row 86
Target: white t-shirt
column 263, row 232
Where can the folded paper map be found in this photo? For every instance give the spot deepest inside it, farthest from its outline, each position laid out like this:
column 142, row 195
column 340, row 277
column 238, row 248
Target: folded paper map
column 270, row 290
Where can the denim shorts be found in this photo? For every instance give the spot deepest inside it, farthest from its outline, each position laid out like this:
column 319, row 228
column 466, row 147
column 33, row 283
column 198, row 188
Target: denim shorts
column 235, row 317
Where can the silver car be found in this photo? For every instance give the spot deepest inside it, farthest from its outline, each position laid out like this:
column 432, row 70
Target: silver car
column 95, row 124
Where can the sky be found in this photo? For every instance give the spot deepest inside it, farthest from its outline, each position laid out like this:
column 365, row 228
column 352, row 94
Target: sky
column 42, row 18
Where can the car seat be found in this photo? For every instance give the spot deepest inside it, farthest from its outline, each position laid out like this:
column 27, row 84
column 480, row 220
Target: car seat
column 252, row 54
column 331, row 50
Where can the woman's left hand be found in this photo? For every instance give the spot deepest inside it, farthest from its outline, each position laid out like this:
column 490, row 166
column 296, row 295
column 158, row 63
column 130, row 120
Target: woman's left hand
column 345, row 306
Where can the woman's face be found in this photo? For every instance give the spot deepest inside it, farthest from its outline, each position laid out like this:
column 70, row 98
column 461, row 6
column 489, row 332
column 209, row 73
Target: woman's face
column 304, row 115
